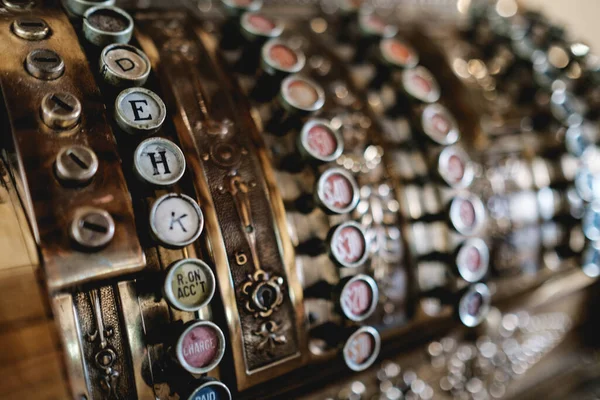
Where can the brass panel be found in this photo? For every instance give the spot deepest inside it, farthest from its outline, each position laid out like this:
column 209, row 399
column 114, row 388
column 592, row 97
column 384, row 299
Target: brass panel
column 36, row 146
column 190, row 74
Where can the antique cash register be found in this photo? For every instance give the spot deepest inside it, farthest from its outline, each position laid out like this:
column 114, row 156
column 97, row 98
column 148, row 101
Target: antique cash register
column 214, row 200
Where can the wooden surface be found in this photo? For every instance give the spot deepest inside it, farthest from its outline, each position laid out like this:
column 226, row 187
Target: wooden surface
column 30, row 360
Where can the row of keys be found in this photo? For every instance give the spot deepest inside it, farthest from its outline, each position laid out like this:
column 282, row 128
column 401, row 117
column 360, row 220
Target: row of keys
column 417, row 89
column 294, row 99
column 175, row 220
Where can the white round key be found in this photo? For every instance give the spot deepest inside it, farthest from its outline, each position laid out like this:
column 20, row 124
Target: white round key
column 159, row 161
column 176, row 220
column 139, row 111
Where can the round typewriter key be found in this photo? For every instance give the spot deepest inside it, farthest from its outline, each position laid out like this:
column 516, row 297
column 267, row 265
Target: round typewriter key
column 467, row 214
column 176, row 220
column 139, row 111
column 79, row 7
column 472, row 260
column 362, row 348
column 44, row 64
column 92, row 227
column 104, row 25
column 396, row 53
column 319, row 142
column 372, row 25
column 30, row 28
column 256, row 25
column 348, row 245
column 337, row 191
column 211, row 390
column 591, row 222
column 278, row 57
column 76, row 164
column 159, row 161
column 237, row 7
column 567, row 108
column 580, row 137
column 124, row 65
column 420, row 84
column 301, row 95
column 455, row 167
column 591, row 261
column 587, row 184
column 474, row 305
column 189, row 285
column 439, row 125
column 200, row 347
column 60, row 110
column 358, row 297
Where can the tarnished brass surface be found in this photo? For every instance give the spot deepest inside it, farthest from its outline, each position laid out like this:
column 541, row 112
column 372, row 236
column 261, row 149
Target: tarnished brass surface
column 51, row 206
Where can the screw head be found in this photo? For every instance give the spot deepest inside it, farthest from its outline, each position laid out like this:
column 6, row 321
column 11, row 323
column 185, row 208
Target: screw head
column 76, row 164
column 44, row 64
column 60, row 110
column 30, row 28
column 92, row 228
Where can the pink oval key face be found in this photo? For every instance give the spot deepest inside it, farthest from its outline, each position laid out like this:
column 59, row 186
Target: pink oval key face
column 375, row 24
column 441, row 125
column 473, row 259
column 455, row 169
column 200, row 346
column 261, row 23
column 338, row 192
column 357, row 298
column 349, row 245
column 302, row 93
column 467, row 213
column 321, row 141
column 360, row 349
column 283, row 56
column 399, row 53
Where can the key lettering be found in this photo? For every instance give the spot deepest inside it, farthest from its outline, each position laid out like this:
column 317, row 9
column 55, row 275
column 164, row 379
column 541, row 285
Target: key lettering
column 125, row 64
column 163, row 161
column 177, row 221
column 137, row 109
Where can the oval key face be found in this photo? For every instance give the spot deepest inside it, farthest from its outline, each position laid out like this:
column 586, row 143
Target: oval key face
column 348, row 245
column 373, row 25
column 439, row 125
column 279, row 57
column 337, row 191
column 420, row 84
column 257, row 24
column 139, row 110
column 200, row 347
column 359, row 297
column 189, row 285
column 466, row 214
column 362, row 348
column 159, row 161
column 320, row 142
column 301, row 94
column 397, row 53
column 472, row 260
column 455, row 168
column 176, row 220
column 474, row 305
